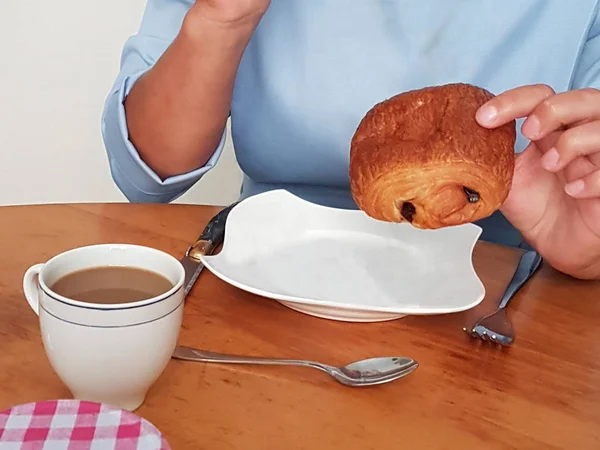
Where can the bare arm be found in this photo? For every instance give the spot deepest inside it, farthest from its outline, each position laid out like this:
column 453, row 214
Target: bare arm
column 177, row 111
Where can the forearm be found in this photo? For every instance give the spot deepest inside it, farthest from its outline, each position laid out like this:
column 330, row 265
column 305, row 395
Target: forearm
column 177, row 111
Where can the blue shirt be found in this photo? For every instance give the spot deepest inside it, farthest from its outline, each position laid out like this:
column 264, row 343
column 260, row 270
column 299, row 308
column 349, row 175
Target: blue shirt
column 313, row 68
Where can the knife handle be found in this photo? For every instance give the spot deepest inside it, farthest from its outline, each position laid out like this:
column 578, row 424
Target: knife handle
column 212, row 236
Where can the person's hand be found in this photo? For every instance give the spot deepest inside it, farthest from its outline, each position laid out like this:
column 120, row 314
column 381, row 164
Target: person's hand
column 232, row 12
column 555, row 196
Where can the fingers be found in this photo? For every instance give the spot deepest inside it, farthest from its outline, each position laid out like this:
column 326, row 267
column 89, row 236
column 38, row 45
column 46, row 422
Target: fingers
column 586, row 187
column 579, row 168
column 573, row 143
column 547, row 142
column 565, row 125
column 562, row 110
column 545, row 111
column 512, row 104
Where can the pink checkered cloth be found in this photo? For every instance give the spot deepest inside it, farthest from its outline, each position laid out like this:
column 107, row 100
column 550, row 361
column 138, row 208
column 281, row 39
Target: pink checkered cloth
column 76, row 425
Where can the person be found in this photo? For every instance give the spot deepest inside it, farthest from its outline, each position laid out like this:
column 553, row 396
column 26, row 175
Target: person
column 296, row 77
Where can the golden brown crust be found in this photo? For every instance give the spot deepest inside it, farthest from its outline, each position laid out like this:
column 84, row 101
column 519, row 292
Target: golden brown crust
column 421, row 149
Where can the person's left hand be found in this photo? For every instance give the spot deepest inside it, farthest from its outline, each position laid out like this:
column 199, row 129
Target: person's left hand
column 555, row 196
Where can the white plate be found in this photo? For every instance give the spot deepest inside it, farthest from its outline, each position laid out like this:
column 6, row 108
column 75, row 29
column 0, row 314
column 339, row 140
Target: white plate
column 340, row 264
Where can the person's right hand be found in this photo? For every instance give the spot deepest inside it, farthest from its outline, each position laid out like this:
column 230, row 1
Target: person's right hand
column 232, row 12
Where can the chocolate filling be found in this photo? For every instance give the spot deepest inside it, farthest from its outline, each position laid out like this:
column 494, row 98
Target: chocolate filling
column 408, row 211
column 472, row 196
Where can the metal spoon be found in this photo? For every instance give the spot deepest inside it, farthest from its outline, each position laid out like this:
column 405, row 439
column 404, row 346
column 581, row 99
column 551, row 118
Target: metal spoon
column 367, row 372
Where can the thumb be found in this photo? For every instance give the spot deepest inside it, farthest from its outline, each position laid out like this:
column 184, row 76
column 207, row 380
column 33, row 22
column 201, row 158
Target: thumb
column 534, row 192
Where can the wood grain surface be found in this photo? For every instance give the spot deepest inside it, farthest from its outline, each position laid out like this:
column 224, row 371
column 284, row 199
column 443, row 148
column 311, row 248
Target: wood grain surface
column 543, row 393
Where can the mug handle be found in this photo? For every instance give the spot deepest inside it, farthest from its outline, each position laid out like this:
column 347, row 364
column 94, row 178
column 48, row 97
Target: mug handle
column 30, row 287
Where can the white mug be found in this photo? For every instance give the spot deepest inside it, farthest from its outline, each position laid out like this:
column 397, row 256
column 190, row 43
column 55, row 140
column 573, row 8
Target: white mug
column 107, row 353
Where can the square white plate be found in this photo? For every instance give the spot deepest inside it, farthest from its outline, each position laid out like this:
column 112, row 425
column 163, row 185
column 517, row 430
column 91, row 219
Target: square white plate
column 342, row 265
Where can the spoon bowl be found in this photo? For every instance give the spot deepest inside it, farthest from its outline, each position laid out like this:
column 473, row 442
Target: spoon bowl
column 368, row 372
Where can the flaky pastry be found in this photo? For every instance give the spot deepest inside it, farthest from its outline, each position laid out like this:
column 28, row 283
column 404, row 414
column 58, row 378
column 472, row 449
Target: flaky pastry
column 421, row 157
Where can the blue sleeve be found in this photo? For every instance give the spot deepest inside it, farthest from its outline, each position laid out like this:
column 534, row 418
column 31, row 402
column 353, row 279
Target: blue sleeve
column 587, row 71
column 137, row 181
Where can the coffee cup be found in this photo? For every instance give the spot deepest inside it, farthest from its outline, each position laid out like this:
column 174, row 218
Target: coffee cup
column 103, row 347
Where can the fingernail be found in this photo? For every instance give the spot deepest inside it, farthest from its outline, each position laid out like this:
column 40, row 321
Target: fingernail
column 486, row 114
column 574, row 188
column 550, row 159
column 531, row 127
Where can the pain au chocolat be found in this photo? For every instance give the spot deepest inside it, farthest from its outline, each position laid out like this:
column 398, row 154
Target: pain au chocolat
column 421, row 157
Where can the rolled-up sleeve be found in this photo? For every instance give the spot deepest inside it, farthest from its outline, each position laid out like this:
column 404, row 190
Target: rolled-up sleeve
column 136, row 180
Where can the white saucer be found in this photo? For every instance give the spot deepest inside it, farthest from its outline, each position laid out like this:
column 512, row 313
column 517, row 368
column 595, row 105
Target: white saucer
column 342, row 265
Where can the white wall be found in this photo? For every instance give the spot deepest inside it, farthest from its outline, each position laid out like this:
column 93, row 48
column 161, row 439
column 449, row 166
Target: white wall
column 58, row 60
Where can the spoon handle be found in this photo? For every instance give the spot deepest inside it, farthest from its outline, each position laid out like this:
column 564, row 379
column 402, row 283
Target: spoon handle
column 192, row 354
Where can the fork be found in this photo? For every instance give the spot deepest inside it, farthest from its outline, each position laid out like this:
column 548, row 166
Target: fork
column 496, row 327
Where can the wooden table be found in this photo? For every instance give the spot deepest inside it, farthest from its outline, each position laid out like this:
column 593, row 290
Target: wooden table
column 543, row 393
